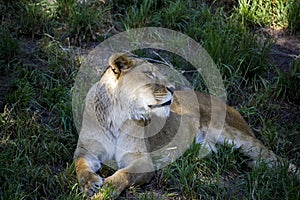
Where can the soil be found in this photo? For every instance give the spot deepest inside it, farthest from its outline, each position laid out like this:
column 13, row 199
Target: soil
column 285, row 49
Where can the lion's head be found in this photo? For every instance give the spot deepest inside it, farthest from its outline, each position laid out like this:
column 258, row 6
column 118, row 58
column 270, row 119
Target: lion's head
column 136, row 87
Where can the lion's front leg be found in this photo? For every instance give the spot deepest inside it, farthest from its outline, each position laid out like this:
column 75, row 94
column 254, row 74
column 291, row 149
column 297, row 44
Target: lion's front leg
column 89, row 181
column 137, row 172
column 123, row 179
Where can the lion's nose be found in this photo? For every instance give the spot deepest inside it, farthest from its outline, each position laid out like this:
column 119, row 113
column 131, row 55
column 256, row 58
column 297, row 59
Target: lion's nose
column 171, row 89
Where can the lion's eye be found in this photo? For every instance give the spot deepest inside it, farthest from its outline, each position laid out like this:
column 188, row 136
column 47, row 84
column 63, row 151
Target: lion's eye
column 150, row 74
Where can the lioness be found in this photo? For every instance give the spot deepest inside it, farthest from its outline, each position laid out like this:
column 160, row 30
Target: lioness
column 130, row 102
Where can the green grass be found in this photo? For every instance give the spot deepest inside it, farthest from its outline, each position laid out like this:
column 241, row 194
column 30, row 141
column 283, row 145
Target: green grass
column 287, row 82
column 83, row 23
column 39, row 60
column 9, row 47
column 293, row 16
column 264, row 13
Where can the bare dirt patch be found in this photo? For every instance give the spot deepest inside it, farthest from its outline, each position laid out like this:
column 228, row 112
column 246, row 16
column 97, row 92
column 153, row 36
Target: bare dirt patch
column 286, row 46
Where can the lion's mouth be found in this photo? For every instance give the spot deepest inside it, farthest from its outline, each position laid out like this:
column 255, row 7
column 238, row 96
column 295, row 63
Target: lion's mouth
column 167, row 103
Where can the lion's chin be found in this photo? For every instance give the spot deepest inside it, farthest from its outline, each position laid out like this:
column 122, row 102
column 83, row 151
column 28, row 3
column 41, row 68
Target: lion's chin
column 162, row 112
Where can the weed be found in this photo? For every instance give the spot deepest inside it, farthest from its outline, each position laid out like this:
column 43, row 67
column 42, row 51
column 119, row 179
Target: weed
column 84, row 22
column 271, row 184
column 9, row 47
column 35, row 18
column 263, row 13
column 293, row 16
column 20, row 93
column 235, row 50
column 198, row 178
column 175, row 16
column 287, row 83
column 139, row 15
column 66, row 8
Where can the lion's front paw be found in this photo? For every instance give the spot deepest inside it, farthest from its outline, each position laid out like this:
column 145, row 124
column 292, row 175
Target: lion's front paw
column 90, row 183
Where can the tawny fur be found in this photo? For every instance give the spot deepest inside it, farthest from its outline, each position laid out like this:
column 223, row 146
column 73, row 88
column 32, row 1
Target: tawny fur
column 128, row 98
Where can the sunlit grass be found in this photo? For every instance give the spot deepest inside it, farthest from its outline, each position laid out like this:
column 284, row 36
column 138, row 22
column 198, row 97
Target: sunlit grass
column 263, row 13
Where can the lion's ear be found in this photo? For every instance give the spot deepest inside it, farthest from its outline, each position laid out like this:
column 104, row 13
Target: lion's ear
column 119, row 62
